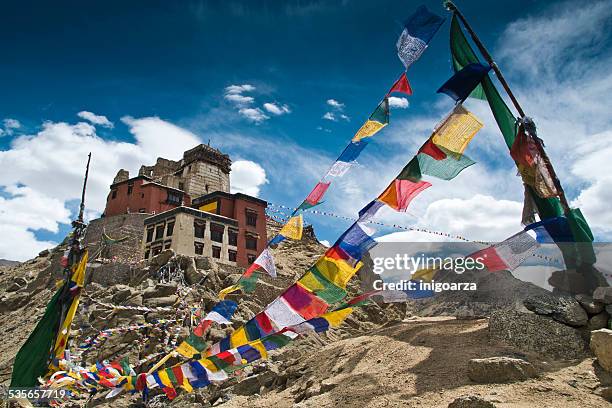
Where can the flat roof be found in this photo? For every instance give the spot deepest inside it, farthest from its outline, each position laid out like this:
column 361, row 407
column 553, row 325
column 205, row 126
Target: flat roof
column 191, row 211
column 223, row 194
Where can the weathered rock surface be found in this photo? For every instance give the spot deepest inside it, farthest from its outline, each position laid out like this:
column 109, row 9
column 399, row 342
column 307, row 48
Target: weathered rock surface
column 564, row 309
column 471, row 401
column 161, row 301
column 532, row 332
column 500, row 370
column 603, row 294
column 160, row 290
column 591, row 306
column 599, row 321
column 601, row 345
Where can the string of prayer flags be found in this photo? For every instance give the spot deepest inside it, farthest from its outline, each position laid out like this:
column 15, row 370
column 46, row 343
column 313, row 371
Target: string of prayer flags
column 508, row 254
column 418, row 31
column 401, row 85
column 457, row 130
column 378, row 120
column 461, row 85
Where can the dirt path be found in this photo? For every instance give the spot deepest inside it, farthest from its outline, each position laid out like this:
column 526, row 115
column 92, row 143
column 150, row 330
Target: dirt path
column 424, row 364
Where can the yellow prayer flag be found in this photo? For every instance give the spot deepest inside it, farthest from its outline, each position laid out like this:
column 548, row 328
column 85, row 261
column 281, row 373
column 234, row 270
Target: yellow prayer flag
column 238, row 337
column 336, row 270
column 336, row 318
column 425, row 275
column 293, row 228
column 457, row 130
column 224, row 292
column 208, row 364
column 258, row 345
column 187, row 350
column 163, row 377
column 369, row 129
column 310, row 282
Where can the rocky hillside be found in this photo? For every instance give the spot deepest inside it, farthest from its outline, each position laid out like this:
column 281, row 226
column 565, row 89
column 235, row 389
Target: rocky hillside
column 508, row 344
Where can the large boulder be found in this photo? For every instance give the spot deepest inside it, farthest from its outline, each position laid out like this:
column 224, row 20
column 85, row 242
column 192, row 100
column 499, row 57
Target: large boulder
column 161, row 259
column 500, row 370
column 471, row 401
column 601, row 344
column 161, row 301
column 603, row 294
column 599, row 321
column 564, row 309
column 541, row 334
column 160, row 290
column 591, row 306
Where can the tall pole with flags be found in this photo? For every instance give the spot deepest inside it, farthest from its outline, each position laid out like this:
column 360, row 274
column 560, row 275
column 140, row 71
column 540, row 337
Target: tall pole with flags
column 39, row 355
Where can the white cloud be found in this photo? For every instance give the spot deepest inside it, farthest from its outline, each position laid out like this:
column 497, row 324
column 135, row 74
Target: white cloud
column 255, row 115
column 276, row 109
column 395, row 102
column 329, row 116
column 247, row 177
column 9, row 127
column 335, row 104
column 344, row 117
column 238, row 89
column 239, row 99
column 48, row 169
column 96, row 119
column 325, row 243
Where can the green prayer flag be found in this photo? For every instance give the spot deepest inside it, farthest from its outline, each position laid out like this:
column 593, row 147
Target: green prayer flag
column 412, row 171
column 445, row 169
column 381, row 113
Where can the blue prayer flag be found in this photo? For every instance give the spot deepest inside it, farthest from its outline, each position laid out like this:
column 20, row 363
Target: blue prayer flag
column 460, row 85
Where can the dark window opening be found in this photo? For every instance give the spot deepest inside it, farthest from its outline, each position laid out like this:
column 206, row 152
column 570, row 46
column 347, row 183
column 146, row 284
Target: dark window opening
column 149, row 234
column 181, row 186
column 232, row 238
column 199, row 248
column 199, row 228
column 216, row 232
column 157, row 250
column 130, row 189
column 231, row 255
column 167, row 244
column 251, row 219
column 147, row 253
column 216, row 252
column 141, row 195
column 174, row 198
column 159, row 232
column 169, row 229
column 251, row 242
column 113, row 194
column 251, row 258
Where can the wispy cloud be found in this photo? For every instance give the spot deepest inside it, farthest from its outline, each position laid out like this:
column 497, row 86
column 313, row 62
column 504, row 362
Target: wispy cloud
column 335, row 104
column 254, row 115
column 9, row 127
column 100, row 120
column 276, row 109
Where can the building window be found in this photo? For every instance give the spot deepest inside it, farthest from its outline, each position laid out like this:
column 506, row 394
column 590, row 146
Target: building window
column 157, row 250
column 169, row 229
column 216, row 232
column 251, row 258
column 159, row 232
column 251, row 242
column 149, row 234
column 181, row 186
column 216, row 252
column 130, row 189
column 231, row 255
column 113, row 194
column 251, row 218
column 199, row 248
column 206, row 187
column 167, row 244
column 147, row 253
column 174, row 198
column 199, row 227
column 232, row 237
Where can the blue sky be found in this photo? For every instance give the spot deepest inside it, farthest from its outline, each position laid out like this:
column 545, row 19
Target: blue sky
column 154, row 78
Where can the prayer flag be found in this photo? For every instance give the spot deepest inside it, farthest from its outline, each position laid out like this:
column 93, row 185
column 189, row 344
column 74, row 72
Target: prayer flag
column 418, row 31
column 336, row 271
column 445, row 169
column 352, row 151
column 264, row 261
column 508, row 254
column 367, row 212
column 401, row 85
column 356, row 240
column 460, row 85
column 304, row 302
column 378, row 119
column 400, row 193
column 457, row 130
column 318, row 284
column 282, row 314
column 293, row 228
column 191, row 346
column 317, row 193
column 339, row 169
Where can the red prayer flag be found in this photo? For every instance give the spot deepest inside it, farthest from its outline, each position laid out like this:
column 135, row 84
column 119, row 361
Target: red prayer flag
column 431, row 149
column 304, row 302
column 317, row 193
column 401, row 85
column 400, row 193
column 491, row 259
